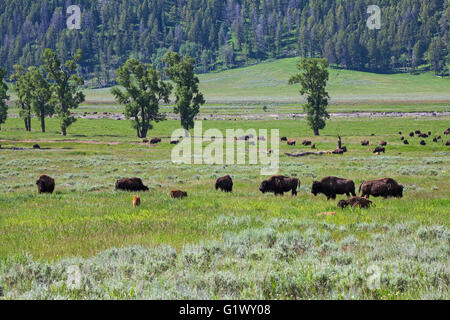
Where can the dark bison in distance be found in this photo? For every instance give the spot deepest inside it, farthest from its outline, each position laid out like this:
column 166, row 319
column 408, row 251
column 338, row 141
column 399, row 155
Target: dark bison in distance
column 354, row 202
column 331, row 186
column 379, row 150
column 130, row 184
column 225, row 184
column 385, row 187
column 45, row 184
column 279, row 184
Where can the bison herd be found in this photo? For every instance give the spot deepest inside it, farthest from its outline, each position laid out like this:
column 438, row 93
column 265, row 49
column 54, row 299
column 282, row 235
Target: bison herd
column 278, row 184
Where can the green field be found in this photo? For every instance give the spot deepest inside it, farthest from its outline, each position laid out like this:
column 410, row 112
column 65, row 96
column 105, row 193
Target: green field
column 213, row 245
column 267, row 84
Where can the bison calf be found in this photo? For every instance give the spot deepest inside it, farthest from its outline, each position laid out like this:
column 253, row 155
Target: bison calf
column 45, row 184
column 130, row 184
column 136, row 201
column 331, row 186
column 363, row 203
column 224, row 183
column 178, row 194
column 279, row 184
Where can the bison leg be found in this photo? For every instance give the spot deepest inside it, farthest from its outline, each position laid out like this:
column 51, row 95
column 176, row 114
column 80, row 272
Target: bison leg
column 353, row 193
column 294, row 192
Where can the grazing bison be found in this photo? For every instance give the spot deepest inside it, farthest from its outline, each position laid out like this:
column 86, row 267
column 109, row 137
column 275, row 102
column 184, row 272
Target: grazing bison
column 338, row 151
column 402, row 138
column 155, row 140
column 383, row 143
column 45, row 184
column 331, row 186
column 283, row 139
column 225, row 183
column 405, row 142
column 306, row 142
column 291, row 142
column 385, row 187
column 423, row 143
column 400, row 133
column 447, row 131
column 175, row 142
column 279, row 184
column 411, row 134
column 130, row 184
column 363, row 203
column 435, row 140
column 144, row 140
column 447, row 143
column 423, row 135
column 365, row 142
column 313, row 146
column 417, row 132
column 36, row 146
column 379, row 149
column 178, row 194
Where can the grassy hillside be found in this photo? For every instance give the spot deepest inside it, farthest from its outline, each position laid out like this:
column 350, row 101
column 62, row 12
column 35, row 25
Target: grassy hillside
column 267, row 83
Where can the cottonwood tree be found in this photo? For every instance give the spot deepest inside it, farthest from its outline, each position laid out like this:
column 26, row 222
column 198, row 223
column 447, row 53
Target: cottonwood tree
column 313, row 79
column 3, row 97
column 23, row 89
column 144, row 91
column 65, row 85
column 188, row 97
column 40, row 95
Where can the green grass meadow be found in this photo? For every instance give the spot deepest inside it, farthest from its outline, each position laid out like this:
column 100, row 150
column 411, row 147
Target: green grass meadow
column 215, row 245
column 239, row 245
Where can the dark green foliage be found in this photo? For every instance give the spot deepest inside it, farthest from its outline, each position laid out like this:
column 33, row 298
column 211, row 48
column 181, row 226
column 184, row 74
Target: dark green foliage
column 188, row 98
column 232, row 32
column 3, row 97
column 313, row 79
column 65, row 83
column 23, row 88
column 144, row 91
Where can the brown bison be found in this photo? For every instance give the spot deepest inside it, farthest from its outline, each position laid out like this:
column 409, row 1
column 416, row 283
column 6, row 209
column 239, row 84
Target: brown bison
column 385, row 187
column 338, row 151
column 423, row 135
column 447, row 143
column 279, row 184
column 411, row 134
column 155, row 140
column 331, row 186
column 178, row 194
column 365, row 142
column 175, row 142
column 447, row 131
column 136, row 201
column 144, row 140
column 224, row 183
column 423, row 143
column 130, row 184
column 379, row 149
column 383, row 143
column 402, row 138
column 405, row 142
column 363, row 203
column 291, row 142
column 417, row 132
column 306, row 142
column 45, row 184
column 313, row 146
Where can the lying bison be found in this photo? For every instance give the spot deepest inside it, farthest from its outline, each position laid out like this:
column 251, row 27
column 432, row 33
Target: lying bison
column 383, row 143
column 291, row 142
column 423, row 143
column 385, row 187
column 155, row 140
column 405, row 142
column 365, row 142
column 306, row 142
column 130, row 184
column 331, row 186
column 178, row 194
column 411, row 134
column 224, row 183
column 45, row 184
column 363, row 203
column 279, row 184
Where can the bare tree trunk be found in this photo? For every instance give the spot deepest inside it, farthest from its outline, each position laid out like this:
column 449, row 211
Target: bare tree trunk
column 63, row 131
column 316, row 131
column 186, row 133
column 43, row 122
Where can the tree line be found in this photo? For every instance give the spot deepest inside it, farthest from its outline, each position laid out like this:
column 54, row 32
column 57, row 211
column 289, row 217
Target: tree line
column 225, row 34
column 54, row 88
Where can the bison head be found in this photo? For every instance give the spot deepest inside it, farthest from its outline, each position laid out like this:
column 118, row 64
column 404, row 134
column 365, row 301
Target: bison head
column 316, row 187
column 264, row 187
